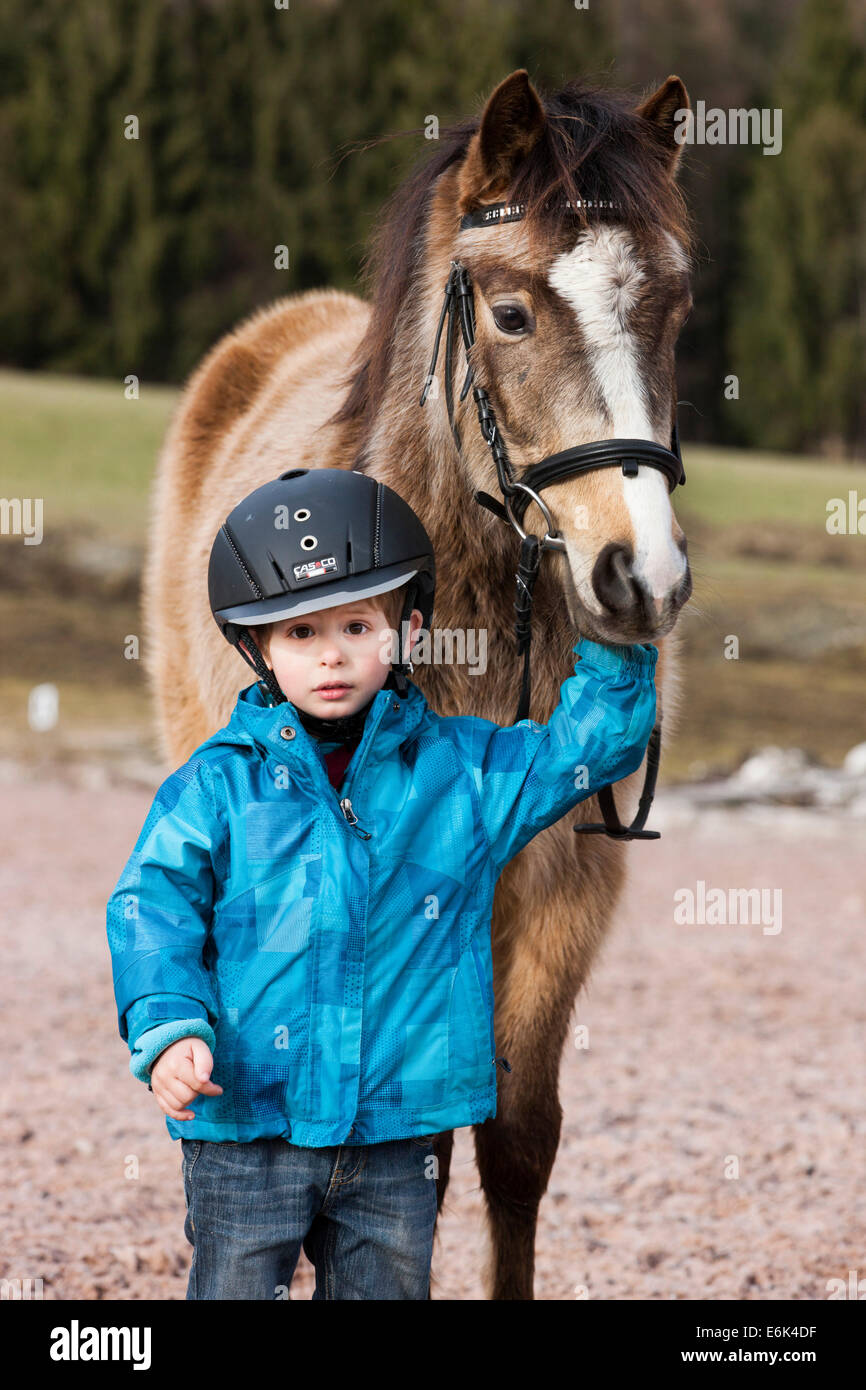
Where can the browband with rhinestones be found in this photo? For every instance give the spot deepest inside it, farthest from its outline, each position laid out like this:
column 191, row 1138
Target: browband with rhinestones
column 512, row 212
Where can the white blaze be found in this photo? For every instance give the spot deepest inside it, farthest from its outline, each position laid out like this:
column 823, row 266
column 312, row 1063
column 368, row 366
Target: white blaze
column 600, row 278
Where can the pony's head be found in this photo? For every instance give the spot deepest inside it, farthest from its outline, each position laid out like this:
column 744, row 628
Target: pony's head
column 577, row 312
column 577, row 317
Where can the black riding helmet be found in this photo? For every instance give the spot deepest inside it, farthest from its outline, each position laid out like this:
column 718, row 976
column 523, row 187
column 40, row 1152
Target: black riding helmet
column 311, row 539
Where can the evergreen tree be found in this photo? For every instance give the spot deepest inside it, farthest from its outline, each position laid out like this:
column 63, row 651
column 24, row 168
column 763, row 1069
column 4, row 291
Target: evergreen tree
column 799, row 333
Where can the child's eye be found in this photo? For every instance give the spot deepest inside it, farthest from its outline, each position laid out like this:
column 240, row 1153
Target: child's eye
column 303, row 628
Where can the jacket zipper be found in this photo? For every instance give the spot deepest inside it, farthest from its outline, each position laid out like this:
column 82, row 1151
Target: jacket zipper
column 345, row 803
column 346, row 808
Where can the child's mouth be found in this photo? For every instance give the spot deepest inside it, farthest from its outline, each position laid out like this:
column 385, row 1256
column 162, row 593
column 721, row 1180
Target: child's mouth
column 333, row 692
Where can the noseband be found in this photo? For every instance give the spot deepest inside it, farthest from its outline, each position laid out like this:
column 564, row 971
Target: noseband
column 518, row 493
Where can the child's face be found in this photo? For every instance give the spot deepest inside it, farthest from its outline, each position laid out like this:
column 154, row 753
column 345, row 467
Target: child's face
column 334, row 645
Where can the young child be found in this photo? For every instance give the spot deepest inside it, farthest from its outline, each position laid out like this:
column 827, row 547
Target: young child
column 300, row 939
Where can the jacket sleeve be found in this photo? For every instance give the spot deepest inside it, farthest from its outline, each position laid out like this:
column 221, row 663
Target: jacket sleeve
column 158, row 919
column 529, row 775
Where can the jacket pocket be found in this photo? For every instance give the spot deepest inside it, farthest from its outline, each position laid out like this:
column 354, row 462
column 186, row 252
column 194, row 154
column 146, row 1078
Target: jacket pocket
column 487, row 994
column 470, row 1030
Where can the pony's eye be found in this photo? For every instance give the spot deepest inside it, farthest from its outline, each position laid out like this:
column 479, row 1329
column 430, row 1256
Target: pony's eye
column 509, row 317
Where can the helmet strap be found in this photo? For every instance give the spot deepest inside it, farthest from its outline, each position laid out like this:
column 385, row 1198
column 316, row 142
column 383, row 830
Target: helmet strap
column 402, row 669
column 268, row 683
column 397, row 681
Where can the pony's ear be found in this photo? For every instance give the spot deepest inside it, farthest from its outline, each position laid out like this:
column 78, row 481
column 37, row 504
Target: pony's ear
column 666, row 112
column 513, row 120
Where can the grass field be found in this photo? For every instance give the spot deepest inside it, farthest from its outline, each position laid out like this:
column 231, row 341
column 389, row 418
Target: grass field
column 91, row 451
column 765, row 570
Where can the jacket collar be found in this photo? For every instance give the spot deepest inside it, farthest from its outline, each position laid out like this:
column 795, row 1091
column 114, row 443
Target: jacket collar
column 390, row 722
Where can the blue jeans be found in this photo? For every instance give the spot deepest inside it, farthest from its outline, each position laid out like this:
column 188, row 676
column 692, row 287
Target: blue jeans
column 364, row 1213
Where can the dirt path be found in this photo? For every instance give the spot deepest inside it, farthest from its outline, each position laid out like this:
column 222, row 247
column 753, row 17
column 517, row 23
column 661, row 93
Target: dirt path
column 709, row 1046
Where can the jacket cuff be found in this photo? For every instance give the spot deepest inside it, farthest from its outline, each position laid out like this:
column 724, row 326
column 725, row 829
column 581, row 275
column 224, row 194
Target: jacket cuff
column 150, row 1044
column 153, row 1010
column 637, row 659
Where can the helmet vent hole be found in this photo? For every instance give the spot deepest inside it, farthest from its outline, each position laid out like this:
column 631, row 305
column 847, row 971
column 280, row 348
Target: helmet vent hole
column 295, row 473
column 302, row 514
column 308, row 542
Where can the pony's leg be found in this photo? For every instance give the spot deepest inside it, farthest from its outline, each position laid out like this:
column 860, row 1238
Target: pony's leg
column 515, row 1153
column 544, row 946
column 444, row 1150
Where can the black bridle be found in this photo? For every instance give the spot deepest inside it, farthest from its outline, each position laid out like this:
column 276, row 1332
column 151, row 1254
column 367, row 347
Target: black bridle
column 517, row 494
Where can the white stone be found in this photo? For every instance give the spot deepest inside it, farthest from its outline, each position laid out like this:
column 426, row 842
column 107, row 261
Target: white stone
column 855, row 761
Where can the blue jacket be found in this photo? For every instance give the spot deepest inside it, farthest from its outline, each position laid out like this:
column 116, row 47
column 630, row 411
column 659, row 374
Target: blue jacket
column 337, row 960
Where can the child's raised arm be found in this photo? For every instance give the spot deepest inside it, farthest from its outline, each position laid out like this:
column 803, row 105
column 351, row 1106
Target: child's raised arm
column 158, row 918
column 528, row 775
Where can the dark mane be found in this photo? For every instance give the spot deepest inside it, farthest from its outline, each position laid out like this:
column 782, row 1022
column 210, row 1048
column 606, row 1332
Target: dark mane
column 388, row 269
column 593, row 147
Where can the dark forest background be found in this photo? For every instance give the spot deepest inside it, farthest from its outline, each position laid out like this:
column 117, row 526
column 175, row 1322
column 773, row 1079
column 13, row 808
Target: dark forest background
column 121, row 255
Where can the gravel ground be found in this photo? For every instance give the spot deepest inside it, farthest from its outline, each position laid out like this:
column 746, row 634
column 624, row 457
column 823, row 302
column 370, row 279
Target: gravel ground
column 712, row 1141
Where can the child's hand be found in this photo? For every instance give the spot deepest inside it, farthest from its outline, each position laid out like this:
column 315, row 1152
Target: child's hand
column 181, row 1072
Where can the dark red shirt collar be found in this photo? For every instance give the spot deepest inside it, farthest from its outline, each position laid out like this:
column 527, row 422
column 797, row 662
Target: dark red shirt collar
column 338, row 760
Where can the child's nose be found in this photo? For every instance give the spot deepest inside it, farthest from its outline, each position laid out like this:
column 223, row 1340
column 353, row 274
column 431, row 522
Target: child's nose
column 332, row 651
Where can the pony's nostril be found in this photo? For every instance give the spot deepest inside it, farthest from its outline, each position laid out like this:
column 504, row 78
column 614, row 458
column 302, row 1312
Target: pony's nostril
column 612, row 580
